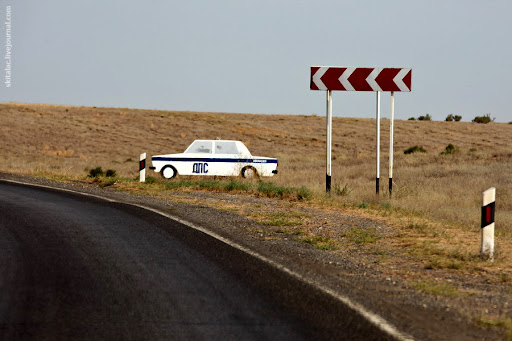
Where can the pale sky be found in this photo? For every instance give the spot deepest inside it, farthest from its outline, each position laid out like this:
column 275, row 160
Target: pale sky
column 255, row 56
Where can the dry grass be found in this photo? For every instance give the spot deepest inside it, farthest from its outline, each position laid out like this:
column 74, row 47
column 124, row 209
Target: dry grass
column 58, row 140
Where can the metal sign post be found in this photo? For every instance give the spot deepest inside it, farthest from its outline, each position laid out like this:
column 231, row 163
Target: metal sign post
column 329, row 142
column 378, row 143
column 391, row 128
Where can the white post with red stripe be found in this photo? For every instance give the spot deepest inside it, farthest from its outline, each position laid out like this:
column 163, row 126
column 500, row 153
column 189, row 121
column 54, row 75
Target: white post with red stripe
column 142, row 167
column 487, row 225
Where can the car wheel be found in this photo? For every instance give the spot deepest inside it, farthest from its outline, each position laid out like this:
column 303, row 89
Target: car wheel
column 249, row 173
column 168, row 172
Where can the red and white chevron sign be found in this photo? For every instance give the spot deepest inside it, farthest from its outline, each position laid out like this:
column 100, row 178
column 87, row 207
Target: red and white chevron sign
column 360, row 79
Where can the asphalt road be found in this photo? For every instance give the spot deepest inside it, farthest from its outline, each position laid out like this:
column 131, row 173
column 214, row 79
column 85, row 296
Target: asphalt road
column 75, row 267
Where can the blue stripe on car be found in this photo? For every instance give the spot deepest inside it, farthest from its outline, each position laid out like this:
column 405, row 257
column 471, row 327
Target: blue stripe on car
column 203, row 159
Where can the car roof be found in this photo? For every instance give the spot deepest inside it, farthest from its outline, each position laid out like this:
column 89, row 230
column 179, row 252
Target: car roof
column 219, row 140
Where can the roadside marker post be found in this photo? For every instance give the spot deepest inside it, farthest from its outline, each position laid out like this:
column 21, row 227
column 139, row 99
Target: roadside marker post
column 142, row 167
column 487, row 224
column 328, row 78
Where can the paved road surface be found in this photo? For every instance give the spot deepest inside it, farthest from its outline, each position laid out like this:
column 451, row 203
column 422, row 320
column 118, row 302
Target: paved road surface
column 74, row 267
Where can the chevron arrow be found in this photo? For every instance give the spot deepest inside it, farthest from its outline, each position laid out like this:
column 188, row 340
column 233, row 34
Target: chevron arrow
column 403, row 79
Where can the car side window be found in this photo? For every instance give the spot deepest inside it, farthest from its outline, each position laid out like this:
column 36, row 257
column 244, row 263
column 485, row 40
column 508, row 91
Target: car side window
column 227, row 147
column 200, row 147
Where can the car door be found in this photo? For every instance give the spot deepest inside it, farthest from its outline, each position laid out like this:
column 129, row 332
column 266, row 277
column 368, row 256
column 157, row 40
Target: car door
column 197, row 158
column 227, row 157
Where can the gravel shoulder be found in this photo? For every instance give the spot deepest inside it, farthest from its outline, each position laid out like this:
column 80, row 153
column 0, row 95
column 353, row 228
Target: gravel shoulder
column 377, row 275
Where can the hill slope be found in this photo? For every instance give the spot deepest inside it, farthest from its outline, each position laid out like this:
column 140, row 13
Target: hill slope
column 59, row 139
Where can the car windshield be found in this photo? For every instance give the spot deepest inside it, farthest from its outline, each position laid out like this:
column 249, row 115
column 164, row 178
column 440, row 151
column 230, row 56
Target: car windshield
column 226, row 147
column 200, row 147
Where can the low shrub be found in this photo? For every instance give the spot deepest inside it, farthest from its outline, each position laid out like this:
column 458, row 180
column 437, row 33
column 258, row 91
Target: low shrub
column 415, row 149
column 450, row 149
column 96, row 172
column 452, row 117
column 105, row 182
column 483, row 119
column 341, row 191
column 110, row 173
column 303, row 193
column 427, row 117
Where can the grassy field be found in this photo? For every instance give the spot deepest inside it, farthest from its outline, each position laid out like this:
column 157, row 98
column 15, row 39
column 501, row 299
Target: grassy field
column 65, row 141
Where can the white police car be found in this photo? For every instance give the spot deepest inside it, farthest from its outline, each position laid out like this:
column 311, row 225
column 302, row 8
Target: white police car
column 214, row 157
